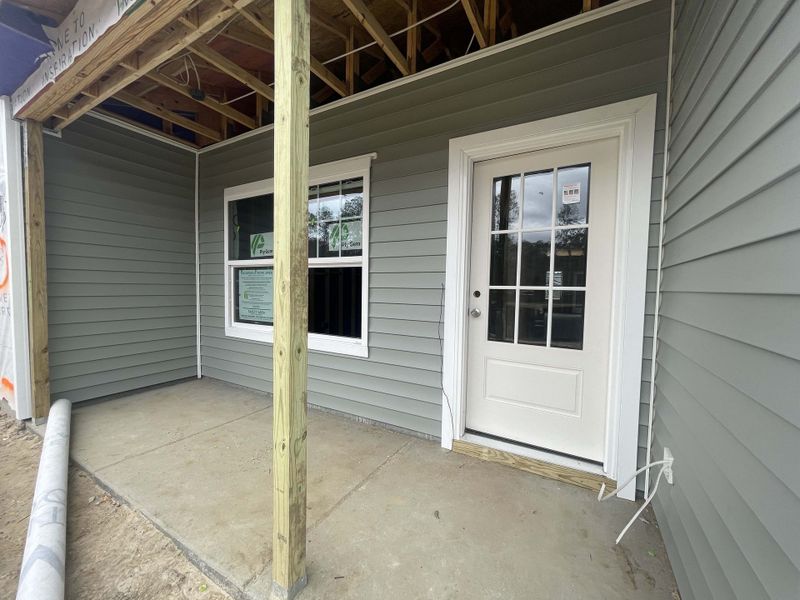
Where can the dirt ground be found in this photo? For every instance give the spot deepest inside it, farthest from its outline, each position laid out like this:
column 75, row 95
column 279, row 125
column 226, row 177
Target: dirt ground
column 113, row 552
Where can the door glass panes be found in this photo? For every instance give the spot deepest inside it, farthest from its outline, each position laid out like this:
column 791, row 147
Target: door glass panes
column 502, row 305
column 538, row 202
column 533, row 317
column 535, row 258
column 538, row 257
column 572, row 199
column 505, row 203
column 503, row 262
column 570, row 259
column 567, row 324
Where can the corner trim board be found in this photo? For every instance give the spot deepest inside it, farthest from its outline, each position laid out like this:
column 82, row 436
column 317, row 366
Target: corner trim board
column 633, row 123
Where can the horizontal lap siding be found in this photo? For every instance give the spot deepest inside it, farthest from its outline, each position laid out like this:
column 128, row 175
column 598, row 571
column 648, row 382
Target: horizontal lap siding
column 616, row 58
column 120, row 261
column 728, row 370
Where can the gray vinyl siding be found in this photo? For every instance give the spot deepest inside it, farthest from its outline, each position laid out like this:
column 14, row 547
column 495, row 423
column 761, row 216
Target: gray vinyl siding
column 120, row 261
column 728, row 374
column 616, row 58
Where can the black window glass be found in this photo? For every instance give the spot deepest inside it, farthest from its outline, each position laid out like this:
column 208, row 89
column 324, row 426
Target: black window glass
column 334, row 301
column 251, row 227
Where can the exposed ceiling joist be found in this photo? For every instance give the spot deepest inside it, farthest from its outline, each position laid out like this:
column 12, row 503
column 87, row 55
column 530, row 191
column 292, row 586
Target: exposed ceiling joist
column 104, row 54
column 218, row 107
column 378, row 33
column 490, row 20
column 325, row 21
column 206, row 20
column 476, row 21
column 261, row 23
column 166, row 114
column 232, row 69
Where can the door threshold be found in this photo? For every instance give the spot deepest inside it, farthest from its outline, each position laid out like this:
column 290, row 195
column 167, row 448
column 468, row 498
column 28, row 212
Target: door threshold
column 545, row 464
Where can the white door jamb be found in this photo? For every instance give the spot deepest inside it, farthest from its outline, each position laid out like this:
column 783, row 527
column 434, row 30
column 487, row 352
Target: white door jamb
column 633, row 122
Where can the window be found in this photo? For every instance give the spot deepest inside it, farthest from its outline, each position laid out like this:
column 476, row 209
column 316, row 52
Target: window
column 338, row 247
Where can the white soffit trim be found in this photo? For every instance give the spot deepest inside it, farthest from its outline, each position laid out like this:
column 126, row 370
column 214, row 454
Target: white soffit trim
column 140, row 130
column 633, row 123
column 577, row 20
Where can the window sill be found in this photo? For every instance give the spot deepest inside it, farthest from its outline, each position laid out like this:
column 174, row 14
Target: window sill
column 316, row 342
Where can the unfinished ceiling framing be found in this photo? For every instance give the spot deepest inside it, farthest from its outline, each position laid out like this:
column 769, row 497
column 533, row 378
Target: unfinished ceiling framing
column 201, row 71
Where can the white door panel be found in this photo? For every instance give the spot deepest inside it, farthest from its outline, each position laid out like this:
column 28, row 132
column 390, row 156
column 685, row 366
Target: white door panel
column 541, row 275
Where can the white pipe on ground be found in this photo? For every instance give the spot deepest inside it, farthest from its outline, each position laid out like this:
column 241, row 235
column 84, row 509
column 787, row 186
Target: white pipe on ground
column 42, row 573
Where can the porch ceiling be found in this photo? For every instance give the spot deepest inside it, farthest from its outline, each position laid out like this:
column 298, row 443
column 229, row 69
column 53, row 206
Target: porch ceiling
column 201, row 71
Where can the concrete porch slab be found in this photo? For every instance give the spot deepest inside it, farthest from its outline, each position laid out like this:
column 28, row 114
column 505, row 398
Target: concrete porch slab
column 389, row 515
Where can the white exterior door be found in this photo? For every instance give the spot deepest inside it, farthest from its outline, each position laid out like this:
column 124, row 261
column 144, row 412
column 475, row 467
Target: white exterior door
column 541, row 272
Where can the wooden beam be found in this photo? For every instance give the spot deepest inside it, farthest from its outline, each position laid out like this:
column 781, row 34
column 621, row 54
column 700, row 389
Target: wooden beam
column 490, row 20
column 537, row 467
column 476, row 21
column 290, row 346
column 351, row 62
column 261, row 23
column 36, row 257
column 412, row 37
column 137, row 26
column 378, row 69
column 325, row 21
column 164, row 113
column 231, row 68
column 246, row 36
column 219, row 107
column 151, row 57
column 378, row 33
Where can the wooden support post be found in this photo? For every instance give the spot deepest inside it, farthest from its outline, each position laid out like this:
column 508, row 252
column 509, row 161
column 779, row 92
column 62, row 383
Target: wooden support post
column 290, row 346
column 36, row 257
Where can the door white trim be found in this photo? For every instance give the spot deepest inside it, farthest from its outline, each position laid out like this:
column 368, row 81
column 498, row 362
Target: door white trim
column 633, row 123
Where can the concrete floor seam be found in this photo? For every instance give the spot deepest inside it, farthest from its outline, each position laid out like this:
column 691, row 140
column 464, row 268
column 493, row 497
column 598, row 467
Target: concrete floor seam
column 181, row 439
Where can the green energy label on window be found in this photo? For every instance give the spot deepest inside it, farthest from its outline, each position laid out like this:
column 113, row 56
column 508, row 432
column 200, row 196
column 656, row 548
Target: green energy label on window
column 345, row 236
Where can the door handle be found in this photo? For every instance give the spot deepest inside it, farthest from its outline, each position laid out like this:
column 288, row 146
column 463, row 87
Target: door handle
column 475, row 312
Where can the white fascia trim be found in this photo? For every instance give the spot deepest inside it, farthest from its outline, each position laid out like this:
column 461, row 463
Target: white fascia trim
column 358, row 166
column 633, row 123
column 576, row 21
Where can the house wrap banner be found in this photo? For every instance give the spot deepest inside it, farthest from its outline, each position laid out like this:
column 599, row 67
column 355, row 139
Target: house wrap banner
column 7, row 367
column 88, row 21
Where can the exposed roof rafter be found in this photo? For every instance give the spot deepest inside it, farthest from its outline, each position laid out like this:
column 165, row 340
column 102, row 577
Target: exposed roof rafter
column 210, row 55
column 205, row 100
column 378, row 33
column 146, row 61
column 164, row 113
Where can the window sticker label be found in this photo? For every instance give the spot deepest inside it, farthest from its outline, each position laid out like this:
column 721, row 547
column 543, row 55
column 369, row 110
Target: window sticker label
column 255, row 295
column 345, row 236
column 571, row 193
column 261, row 245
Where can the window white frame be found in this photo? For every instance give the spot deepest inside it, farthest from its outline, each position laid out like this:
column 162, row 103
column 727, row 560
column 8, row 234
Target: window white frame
column 632, row 122
column 318, row 174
